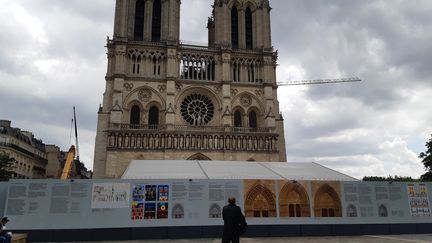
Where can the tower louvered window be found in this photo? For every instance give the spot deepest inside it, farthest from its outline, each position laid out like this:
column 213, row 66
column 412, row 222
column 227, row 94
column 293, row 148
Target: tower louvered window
column 249, row 30
column 156, row 21
column 234, row 27
column 139, row 20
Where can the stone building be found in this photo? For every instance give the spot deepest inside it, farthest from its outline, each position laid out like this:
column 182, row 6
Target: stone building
column 28, row 152
column 166, row 100
column 56, row 160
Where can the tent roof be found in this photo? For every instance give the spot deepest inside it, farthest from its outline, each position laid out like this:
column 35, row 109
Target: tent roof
column 200, row 169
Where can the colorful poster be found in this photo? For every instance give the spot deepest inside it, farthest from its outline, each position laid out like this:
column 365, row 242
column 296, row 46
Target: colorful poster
column 163, row 193
column 137, row 210
column 110, row 195
column 162, row 210
column 418, row 199
column 150, row 194
column 150, row 210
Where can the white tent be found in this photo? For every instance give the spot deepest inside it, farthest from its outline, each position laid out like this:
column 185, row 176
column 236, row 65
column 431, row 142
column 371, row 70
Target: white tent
column 194, row 169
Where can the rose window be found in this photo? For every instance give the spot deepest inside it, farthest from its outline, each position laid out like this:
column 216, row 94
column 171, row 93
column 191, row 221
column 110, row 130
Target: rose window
column 197, row 109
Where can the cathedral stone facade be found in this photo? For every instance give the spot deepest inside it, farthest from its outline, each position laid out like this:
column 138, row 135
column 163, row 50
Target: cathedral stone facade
column 168, row 100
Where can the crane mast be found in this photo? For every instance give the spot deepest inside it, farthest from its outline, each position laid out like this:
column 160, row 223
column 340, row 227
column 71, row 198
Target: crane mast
column 72, row 155
column 319, row 81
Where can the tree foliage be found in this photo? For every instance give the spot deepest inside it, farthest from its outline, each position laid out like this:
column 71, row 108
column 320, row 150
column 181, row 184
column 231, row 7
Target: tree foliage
column 389, row 178
column 6, row 164
column 427, row 161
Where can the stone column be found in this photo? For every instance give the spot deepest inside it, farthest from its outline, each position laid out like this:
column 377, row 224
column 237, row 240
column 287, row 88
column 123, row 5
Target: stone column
column 120, row 22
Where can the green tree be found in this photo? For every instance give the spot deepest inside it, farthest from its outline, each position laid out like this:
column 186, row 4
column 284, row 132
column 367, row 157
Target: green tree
column 6, row 165
column 427, row 161
column 389, row 178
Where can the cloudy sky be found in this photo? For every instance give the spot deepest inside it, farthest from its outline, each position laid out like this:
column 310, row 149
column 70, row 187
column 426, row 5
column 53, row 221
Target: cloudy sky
column 52, row 57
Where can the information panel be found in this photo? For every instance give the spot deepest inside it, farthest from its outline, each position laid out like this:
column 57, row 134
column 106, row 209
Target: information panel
column 80, row 204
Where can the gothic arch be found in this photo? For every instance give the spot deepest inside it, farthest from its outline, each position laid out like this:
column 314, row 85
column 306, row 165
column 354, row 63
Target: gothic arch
column 293, row 201
column 327, row 202
column 202, row 90
column 260, row 202
column 235, row 3
column 251, row 4
column 254, row 102
column 198, row 156
column 133, row 96
column 128, row 112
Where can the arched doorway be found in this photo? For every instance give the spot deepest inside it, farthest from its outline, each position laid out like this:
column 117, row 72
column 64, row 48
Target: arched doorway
column 293, row 201
column 327, row 202
column 260, row 202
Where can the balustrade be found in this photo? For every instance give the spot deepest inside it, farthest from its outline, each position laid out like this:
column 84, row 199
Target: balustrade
column 129, row 140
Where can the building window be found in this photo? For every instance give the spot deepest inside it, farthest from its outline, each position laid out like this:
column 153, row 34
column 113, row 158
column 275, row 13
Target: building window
column 156, row 21
column 197, row 109
column 248, row 25
column 135, row 115
column 253, row 119
column 139, row 20
column 237, row 119
column 153, row 117
column 234, row 27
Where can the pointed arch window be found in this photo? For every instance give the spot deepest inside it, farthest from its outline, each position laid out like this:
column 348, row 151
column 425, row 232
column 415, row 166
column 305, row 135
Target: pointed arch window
column 139, row 20
column 153, row 119
column 237, row 119
column 156, row 21
column 234, row 27
column 249, row 29
column 135, row 115
column 253, row 119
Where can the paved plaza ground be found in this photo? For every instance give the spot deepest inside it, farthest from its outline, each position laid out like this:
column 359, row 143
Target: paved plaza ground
column 426, row 238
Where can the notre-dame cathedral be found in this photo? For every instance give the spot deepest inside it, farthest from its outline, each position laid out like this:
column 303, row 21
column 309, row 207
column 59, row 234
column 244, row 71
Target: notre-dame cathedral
column 168, row 100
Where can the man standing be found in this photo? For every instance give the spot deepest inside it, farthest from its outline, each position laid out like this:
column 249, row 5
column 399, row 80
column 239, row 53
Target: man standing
column 234, row 222
column 5, row 237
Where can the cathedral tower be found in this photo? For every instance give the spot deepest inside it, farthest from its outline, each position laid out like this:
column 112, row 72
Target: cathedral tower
column 167, row 100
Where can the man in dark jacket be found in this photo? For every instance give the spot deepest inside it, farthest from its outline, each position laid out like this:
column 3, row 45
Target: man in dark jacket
column 234, row 222
column 5, row 237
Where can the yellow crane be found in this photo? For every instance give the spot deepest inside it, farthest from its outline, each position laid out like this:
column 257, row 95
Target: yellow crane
column 69, row 170
column 69, row 164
